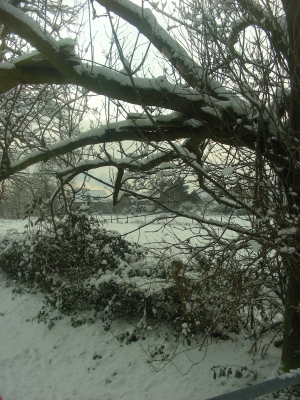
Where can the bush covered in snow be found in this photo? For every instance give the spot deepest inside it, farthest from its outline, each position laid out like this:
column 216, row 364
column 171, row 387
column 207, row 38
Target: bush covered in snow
column 66, row 252
column 81, row 266
column 219, row 297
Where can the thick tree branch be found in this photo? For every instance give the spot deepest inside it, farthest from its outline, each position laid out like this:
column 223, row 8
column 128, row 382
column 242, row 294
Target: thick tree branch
column 144, row 20
column 256, row 15
column 25, row 27
column 149, row 92
column 139, row 130
column 11, row 77
column 152, row 92
column 146, row 163
column 215, row 119
column 101, row 80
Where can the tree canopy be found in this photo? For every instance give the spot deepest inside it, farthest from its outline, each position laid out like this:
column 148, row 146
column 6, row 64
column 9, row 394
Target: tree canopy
column 232, row 110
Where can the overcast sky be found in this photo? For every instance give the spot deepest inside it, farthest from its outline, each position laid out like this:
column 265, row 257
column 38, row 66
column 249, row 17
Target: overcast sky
column 98, row 32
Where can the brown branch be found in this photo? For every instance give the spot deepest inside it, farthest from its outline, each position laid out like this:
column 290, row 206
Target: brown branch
column 257, row 16
column 25, row 27
column 146, row 23
column 118, row 185
column 161, row 133
column 133, row 166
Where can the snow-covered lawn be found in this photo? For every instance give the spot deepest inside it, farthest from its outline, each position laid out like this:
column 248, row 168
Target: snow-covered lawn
column 89, row 363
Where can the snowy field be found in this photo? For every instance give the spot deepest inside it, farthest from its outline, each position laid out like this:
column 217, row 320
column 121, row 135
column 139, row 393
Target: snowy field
column 89, row 363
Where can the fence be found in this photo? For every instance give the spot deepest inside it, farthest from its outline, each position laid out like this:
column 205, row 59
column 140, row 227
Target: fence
column 271, row 385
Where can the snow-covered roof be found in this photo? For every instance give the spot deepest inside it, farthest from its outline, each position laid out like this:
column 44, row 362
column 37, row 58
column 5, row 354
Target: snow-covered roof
column 96, row 193
column 92, row 195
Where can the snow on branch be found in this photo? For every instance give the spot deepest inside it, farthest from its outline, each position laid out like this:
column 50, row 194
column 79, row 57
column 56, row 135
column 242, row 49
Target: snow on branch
column 144, row 20
column 67, row 68
column 135, row 130
column 142, row 164
column 156, row 92
column 256, row 15
column 25, row 27
column 141, row 128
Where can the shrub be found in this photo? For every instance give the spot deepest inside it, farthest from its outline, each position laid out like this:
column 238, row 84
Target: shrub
column 76, row 247
column 221, row 297
column 81, row 266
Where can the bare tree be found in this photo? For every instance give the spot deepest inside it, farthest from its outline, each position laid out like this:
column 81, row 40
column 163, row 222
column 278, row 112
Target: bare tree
column 211, row 92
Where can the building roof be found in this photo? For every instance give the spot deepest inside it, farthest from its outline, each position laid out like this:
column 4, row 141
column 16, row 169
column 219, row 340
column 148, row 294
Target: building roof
column 92, row 195
column 96, row 193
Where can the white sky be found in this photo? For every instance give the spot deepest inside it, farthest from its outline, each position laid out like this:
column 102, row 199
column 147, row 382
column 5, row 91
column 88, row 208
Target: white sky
column 98, row 32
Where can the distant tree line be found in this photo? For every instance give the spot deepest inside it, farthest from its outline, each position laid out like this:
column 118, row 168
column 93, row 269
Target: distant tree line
column 20, row 192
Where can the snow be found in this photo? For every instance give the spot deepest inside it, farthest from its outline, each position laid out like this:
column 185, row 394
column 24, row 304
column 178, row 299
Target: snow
column 89, row 363
column 227, row 171
column 293, row 373
column 25, row 19
column 193, row 123
column 66, row 44
column 177, row 258
column 255, row 246
column 287, row 249
column 93, row 136
column 165, row 165
column 7, row 65
column 158, row 83
column 288, row 231
column 160, row 174
column 212, row 111
column 172, row 48
column 169, row 117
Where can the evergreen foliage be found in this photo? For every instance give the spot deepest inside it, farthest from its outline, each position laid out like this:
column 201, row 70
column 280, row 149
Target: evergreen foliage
column 88, row 272
column 81, row 266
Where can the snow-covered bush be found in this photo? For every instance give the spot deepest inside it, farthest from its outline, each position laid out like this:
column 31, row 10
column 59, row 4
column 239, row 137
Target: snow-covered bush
column 68, row 251
column 220, row 296
column 64, row 254
column 10, row 263
column 81, row 266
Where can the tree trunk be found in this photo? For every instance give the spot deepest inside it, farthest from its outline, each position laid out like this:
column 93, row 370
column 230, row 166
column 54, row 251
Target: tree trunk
column 291, row 333
column 291, row 327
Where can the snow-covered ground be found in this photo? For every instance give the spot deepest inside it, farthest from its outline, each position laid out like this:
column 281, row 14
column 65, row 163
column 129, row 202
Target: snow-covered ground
column 89, row 363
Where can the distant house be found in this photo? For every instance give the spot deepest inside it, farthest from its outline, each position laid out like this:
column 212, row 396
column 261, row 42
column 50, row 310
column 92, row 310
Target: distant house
column 95, row 196
column 97, row 199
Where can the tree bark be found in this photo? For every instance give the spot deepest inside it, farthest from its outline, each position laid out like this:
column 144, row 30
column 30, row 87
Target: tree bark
column 291, row 333
column 291, row 327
